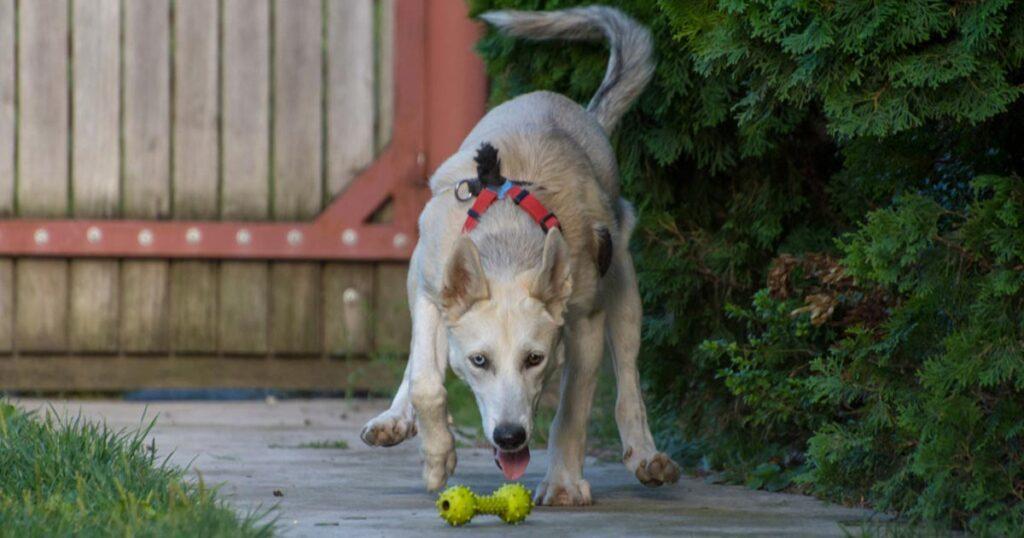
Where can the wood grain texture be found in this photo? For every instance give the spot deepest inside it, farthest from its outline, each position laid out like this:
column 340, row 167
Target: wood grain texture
column 90, row 373
column 391, row 308
column 246, row 100
column 195, row 109
column 147, row 145
column 295, row 308
column 43, row 108
column 298, row 182
column 193, row 298
column 6, row 306
column 41, row 298
column 242, row 320
column 351, row 115
column 350, row 78
column 193, row 287
column 41, row 306
column 244, row 289
column 95, row 167
column 94, row 306
column 348, row 308
column 145, row 320
column 385, row 73
column 95, row 152
column 7, row 107
column 297, row 109
column 144, row 307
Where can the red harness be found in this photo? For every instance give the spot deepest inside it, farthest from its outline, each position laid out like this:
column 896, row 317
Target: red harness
column 520, row 196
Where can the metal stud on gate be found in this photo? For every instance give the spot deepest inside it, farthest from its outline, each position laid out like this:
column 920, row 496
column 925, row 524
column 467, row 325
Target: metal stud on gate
column 94, row 235
column 349, row 237
column 193, row 236
column 145, row 237
column 400, row 240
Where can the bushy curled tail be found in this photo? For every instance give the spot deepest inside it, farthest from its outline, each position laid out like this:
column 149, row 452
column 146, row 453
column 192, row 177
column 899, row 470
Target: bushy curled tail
column 629, row 67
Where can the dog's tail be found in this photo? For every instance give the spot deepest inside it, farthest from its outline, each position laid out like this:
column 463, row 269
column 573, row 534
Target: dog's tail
column 629, row 68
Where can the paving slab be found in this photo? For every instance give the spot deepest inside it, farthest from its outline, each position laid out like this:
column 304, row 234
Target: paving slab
column 255, row 448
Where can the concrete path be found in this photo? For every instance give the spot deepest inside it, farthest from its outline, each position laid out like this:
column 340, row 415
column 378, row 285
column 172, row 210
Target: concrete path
column 254, row 449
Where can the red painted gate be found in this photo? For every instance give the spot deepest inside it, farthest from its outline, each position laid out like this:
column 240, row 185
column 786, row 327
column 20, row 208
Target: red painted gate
column 438, row 93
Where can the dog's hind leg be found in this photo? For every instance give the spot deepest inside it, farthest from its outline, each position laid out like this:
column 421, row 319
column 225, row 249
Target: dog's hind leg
column 652, row 468
column 564, row 484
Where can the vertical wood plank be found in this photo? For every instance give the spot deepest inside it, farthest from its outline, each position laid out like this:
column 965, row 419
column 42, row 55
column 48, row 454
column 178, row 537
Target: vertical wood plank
column 242, row 318
column 95, row 153
column 348, row 309
column 144, row 326
column 43, row 108
column 194, row 306
column 350, row 79
column 6, row 306
column 393, row 325
column 146, row 109
column 244, row 288
column 246, row 114
column 298, row 184
column 297, row 108
column 94, row 306
column 295, row 308
column 386, row 74
column 193, row 294
column 7, row 126
column 351, row 113
column 144, row 305
column 195, row 109
column 95, row 167
column 41, row 298
column 41, row 306
column 7, row 108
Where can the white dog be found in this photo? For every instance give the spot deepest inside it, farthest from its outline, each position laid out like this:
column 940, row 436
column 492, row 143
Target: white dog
column 523, row 265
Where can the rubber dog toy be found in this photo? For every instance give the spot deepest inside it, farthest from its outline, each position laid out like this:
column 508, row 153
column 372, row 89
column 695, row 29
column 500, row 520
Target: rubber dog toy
column 511, row 502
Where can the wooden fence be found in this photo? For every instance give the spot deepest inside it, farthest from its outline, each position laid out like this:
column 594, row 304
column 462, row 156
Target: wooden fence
column 194, row 109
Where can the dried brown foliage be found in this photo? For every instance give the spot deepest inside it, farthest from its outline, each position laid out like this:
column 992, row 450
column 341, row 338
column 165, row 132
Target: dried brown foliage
column 829, row 294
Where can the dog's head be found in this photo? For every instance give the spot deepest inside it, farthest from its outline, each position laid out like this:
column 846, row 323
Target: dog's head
column 504, row 339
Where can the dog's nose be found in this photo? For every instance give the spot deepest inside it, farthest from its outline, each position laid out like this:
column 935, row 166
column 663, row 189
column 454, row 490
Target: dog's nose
column 509, row 436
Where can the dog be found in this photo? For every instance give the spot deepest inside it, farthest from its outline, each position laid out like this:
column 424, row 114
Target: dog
column 508, row 289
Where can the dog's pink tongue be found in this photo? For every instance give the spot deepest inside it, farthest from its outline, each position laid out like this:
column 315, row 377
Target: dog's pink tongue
column 513, row 464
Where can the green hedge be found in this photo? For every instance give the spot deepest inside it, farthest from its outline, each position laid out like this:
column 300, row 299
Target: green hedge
column 831, row 246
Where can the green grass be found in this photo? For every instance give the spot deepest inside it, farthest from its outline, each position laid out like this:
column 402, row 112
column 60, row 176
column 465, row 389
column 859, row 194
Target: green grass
column 70, row 477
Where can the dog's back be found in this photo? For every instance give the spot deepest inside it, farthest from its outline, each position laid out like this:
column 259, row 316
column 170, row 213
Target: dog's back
column 558, row 147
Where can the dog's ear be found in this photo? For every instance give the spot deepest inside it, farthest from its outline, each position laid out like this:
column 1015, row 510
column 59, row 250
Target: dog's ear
column 464, row 280
column 553, row 283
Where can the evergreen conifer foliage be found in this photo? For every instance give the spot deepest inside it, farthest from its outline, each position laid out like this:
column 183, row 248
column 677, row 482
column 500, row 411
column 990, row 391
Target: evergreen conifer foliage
column 831, row 241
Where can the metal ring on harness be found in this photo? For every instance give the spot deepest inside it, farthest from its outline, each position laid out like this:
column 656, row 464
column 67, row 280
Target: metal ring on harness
column 472, row 189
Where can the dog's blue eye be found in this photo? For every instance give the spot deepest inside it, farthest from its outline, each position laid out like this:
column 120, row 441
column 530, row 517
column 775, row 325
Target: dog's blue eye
column 478, row 360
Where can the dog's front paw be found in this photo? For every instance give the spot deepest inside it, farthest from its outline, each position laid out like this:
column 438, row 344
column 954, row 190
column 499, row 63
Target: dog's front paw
column 563, row 492
column 388, row 429
column 653, row 468
column 437, row 467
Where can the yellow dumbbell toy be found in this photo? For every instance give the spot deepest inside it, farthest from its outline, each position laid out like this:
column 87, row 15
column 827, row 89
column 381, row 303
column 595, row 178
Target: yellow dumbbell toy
column 511, row 502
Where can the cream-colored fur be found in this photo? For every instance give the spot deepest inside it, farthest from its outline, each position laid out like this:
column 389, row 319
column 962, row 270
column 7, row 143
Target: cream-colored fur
column 507, row 291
